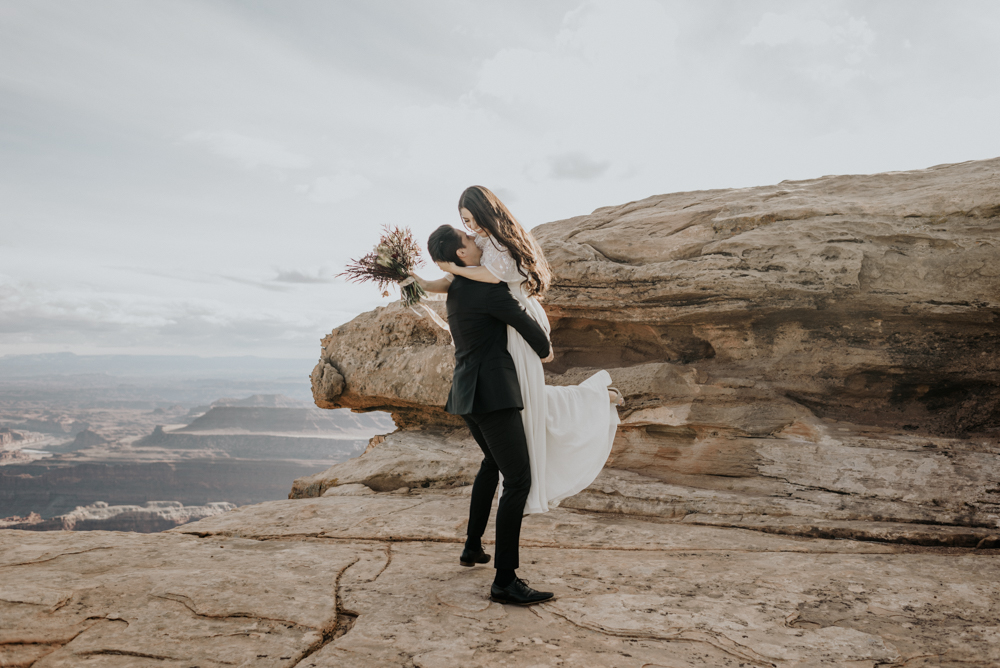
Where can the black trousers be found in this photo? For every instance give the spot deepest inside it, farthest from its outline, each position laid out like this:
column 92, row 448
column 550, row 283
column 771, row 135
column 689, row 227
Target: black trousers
column 500, row 434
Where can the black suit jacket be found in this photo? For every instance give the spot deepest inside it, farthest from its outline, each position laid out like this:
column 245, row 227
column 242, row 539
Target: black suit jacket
column 478, row 314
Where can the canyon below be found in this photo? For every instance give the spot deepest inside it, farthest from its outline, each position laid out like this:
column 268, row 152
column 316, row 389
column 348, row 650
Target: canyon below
column 107, row 443
column 806, row 472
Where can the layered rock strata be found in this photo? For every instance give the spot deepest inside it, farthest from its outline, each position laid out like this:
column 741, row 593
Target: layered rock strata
column 808, row 354
column 9, row 437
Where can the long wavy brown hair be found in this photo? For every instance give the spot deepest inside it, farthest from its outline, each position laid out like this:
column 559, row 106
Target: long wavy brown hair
column 491, row 215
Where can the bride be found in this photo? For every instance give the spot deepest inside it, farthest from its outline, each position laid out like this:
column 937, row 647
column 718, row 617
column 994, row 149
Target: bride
column 569, row 429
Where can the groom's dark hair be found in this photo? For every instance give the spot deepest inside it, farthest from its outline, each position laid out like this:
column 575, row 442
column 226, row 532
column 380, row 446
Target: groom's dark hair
column 444, row 243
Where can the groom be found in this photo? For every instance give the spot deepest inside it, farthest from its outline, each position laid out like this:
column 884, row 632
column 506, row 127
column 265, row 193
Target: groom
column 485, row 392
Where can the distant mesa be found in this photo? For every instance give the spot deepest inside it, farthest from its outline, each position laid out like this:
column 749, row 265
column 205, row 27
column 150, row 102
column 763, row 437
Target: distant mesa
column 85, row 439
column 196, row 411
column 176, row 408
column 50, row 426
column 272, row 426
column 88, row 438
column 254, row 401
column 285, row 421
column 9, row 436
column 154, row 516
column 262, row 401
column 277, row 414
column 13, row 457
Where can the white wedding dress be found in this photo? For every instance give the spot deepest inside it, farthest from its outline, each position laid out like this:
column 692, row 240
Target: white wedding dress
column 569, row 429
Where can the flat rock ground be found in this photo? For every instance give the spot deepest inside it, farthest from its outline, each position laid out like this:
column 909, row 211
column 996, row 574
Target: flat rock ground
column 364, row 579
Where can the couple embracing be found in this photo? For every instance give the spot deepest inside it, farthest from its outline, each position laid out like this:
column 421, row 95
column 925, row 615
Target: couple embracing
column 547, row 442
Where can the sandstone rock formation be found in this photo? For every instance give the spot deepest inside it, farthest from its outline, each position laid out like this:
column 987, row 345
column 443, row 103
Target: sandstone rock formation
column 438, row 458
column 373, row 580
column 870, row 299
column 50, row 426
column 797, row 356
column 9, row 437
column 390, row 359
column 271, row 427
column 13, row 456
column 285, row 420
column 86, row 439
column 154, row 516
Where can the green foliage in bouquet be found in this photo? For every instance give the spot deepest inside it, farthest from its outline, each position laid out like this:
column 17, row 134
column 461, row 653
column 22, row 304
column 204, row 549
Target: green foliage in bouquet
column 393, row 259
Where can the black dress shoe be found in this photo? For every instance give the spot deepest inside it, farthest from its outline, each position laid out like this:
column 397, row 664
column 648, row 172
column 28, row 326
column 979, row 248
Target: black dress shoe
column 518, row 593
column 470, row 558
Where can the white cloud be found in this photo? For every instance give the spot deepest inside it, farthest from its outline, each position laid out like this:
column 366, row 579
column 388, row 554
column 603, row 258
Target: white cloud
column 604, row 48
column 297, row 276
column 257, row 284
column 339, row 186
column 35, row 315
column 577, row 166
column 777, row 29
column 249, row 152
column 780, row 29
column 329, row 120
column 829, row 53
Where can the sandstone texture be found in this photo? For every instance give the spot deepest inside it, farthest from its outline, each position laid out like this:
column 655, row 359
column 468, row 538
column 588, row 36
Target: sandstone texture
column 389, row 359
column 9, row 437
column 817, row 357
column 372, row 579
column 430, row 457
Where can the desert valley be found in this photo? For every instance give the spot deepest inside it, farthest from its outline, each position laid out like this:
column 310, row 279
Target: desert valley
column 86, row 443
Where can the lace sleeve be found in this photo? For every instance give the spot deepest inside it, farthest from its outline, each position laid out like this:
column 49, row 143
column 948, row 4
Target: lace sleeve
column 501, row 264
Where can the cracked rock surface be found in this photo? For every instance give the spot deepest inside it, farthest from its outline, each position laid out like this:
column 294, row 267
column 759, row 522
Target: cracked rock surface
column 372, row 579
column 108, row 598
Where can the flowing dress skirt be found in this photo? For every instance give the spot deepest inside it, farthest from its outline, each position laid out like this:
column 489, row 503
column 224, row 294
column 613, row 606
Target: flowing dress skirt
column 569, row 429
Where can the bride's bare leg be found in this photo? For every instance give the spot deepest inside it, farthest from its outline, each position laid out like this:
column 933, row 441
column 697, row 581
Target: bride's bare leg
column 615, row 396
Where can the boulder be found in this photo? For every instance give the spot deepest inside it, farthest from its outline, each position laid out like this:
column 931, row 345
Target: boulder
column 429, row 457
column 390, row 359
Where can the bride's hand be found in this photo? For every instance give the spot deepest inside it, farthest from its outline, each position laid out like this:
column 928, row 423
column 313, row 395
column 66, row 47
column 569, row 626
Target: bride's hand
column 552, row 356
column 447, row 267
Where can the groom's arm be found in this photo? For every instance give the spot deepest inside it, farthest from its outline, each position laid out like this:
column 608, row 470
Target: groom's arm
column 505, row 308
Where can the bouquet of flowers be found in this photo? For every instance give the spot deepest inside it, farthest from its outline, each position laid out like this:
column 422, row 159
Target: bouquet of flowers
column 393, row 259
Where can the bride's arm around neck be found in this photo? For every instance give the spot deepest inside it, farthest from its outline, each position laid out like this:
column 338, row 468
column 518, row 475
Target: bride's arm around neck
column 439, row 285
column 480, row 274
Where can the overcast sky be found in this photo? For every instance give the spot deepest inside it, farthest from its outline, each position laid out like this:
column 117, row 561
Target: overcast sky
column 188, row 177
